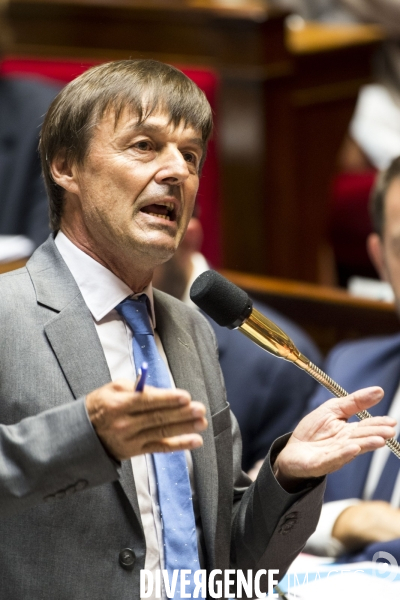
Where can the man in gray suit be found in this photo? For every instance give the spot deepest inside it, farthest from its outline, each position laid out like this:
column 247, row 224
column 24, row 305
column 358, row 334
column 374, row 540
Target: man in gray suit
column 122, row 148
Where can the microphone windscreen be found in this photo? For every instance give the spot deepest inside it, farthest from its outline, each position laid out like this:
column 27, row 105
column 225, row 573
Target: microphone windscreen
column 220, row 299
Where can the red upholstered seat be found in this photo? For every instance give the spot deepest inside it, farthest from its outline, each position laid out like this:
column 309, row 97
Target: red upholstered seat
column 208, row 196
column 349, row 222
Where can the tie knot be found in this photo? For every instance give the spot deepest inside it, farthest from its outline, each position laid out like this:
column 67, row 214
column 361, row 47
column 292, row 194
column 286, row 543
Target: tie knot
column 135, row 313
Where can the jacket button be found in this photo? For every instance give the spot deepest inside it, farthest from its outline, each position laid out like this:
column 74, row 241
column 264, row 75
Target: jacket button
column 127, row 559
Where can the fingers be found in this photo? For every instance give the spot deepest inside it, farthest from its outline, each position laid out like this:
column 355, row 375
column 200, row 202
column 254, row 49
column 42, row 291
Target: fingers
column 120, row 398
column 371, row 434
column 366, row 429
column 360, row 400
column 361, row 440
column 150, row 398
column 367, row 435
column 378, row 421
column 165, row 430
column 156, row 420
column 192, row 417
column 157, row 399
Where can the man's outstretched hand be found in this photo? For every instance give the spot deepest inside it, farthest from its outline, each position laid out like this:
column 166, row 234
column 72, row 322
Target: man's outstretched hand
column 323, row 441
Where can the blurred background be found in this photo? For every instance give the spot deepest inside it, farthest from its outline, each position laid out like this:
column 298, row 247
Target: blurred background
column 305, row 95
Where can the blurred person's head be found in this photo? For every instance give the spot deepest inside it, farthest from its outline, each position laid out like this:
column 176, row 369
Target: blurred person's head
column 384, row 244
column 174, row 275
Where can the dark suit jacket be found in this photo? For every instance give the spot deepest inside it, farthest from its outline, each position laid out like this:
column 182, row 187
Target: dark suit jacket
column 268, row 395
column 65, row 544
column 23, row 199
column 355, row 365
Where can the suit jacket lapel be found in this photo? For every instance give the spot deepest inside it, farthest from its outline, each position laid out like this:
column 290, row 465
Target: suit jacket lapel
column 222, row 334
column 73, row 337
column 187, row 372
column 71, row 331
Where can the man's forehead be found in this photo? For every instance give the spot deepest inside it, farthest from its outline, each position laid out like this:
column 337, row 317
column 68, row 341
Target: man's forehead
column 159, row 120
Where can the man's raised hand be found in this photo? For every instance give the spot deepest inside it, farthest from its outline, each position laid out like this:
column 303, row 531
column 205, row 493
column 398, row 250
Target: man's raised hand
column 323, row 441
column 156, row 420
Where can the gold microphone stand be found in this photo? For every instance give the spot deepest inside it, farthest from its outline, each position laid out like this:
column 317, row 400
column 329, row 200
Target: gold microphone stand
column 269, row 336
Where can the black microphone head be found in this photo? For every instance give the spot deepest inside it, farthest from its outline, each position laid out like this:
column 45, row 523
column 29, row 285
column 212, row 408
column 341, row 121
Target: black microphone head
column 221, row 299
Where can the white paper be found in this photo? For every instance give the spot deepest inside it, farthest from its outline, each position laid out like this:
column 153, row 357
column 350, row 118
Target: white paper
column 373, row 289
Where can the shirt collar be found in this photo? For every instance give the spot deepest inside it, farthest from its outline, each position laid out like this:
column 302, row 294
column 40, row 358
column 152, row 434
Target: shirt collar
column 101, row 289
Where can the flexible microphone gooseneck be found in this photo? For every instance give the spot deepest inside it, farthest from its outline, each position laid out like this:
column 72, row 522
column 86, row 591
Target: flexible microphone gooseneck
column 231, row 307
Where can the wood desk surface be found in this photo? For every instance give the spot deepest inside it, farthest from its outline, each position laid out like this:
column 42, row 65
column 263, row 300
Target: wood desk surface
column 329, row 315
column 11, row 266
column 322, row 37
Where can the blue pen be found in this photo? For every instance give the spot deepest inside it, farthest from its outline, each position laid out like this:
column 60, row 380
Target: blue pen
column 141, row 377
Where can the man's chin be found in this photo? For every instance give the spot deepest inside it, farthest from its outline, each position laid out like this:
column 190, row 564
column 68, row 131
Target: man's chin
column 160, row 253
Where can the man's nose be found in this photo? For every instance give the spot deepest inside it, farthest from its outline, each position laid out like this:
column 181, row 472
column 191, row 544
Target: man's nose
column 173, row 167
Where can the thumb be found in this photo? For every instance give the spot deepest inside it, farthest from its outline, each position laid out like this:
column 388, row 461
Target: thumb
column 360, row 400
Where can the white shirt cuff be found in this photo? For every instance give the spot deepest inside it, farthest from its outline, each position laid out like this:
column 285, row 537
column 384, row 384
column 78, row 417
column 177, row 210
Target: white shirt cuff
column 321, row 542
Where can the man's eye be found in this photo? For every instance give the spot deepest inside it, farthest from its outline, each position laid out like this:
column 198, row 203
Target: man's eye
column 189, row 157
column 142, row 145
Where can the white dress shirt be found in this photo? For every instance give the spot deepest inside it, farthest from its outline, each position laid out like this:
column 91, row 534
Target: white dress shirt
column 102, row 291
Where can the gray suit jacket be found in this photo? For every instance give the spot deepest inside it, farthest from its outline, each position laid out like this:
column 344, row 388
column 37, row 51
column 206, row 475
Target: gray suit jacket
column 67, row 508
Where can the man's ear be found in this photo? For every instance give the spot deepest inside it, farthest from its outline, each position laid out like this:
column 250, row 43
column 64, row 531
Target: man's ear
column 376, row 254
column 63, row 173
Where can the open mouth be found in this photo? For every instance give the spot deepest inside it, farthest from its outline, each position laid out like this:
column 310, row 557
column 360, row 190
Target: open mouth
column 163, row 210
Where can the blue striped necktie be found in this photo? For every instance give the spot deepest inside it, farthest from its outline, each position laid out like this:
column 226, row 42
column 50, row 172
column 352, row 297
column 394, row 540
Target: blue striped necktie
column 173, row 485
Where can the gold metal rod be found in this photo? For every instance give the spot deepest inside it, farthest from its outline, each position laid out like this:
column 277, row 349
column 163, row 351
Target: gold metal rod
column 271, row 338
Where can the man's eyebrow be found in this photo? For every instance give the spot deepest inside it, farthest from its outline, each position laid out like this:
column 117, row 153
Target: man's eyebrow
column 150, row 128
column 197, row 142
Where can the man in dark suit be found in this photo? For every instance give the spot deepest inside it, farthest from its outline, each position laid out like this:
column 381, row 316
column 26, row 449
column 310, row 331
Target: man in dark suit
column 267, row 396
column 23, row 199
column 362, row 511
column 122, row 148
